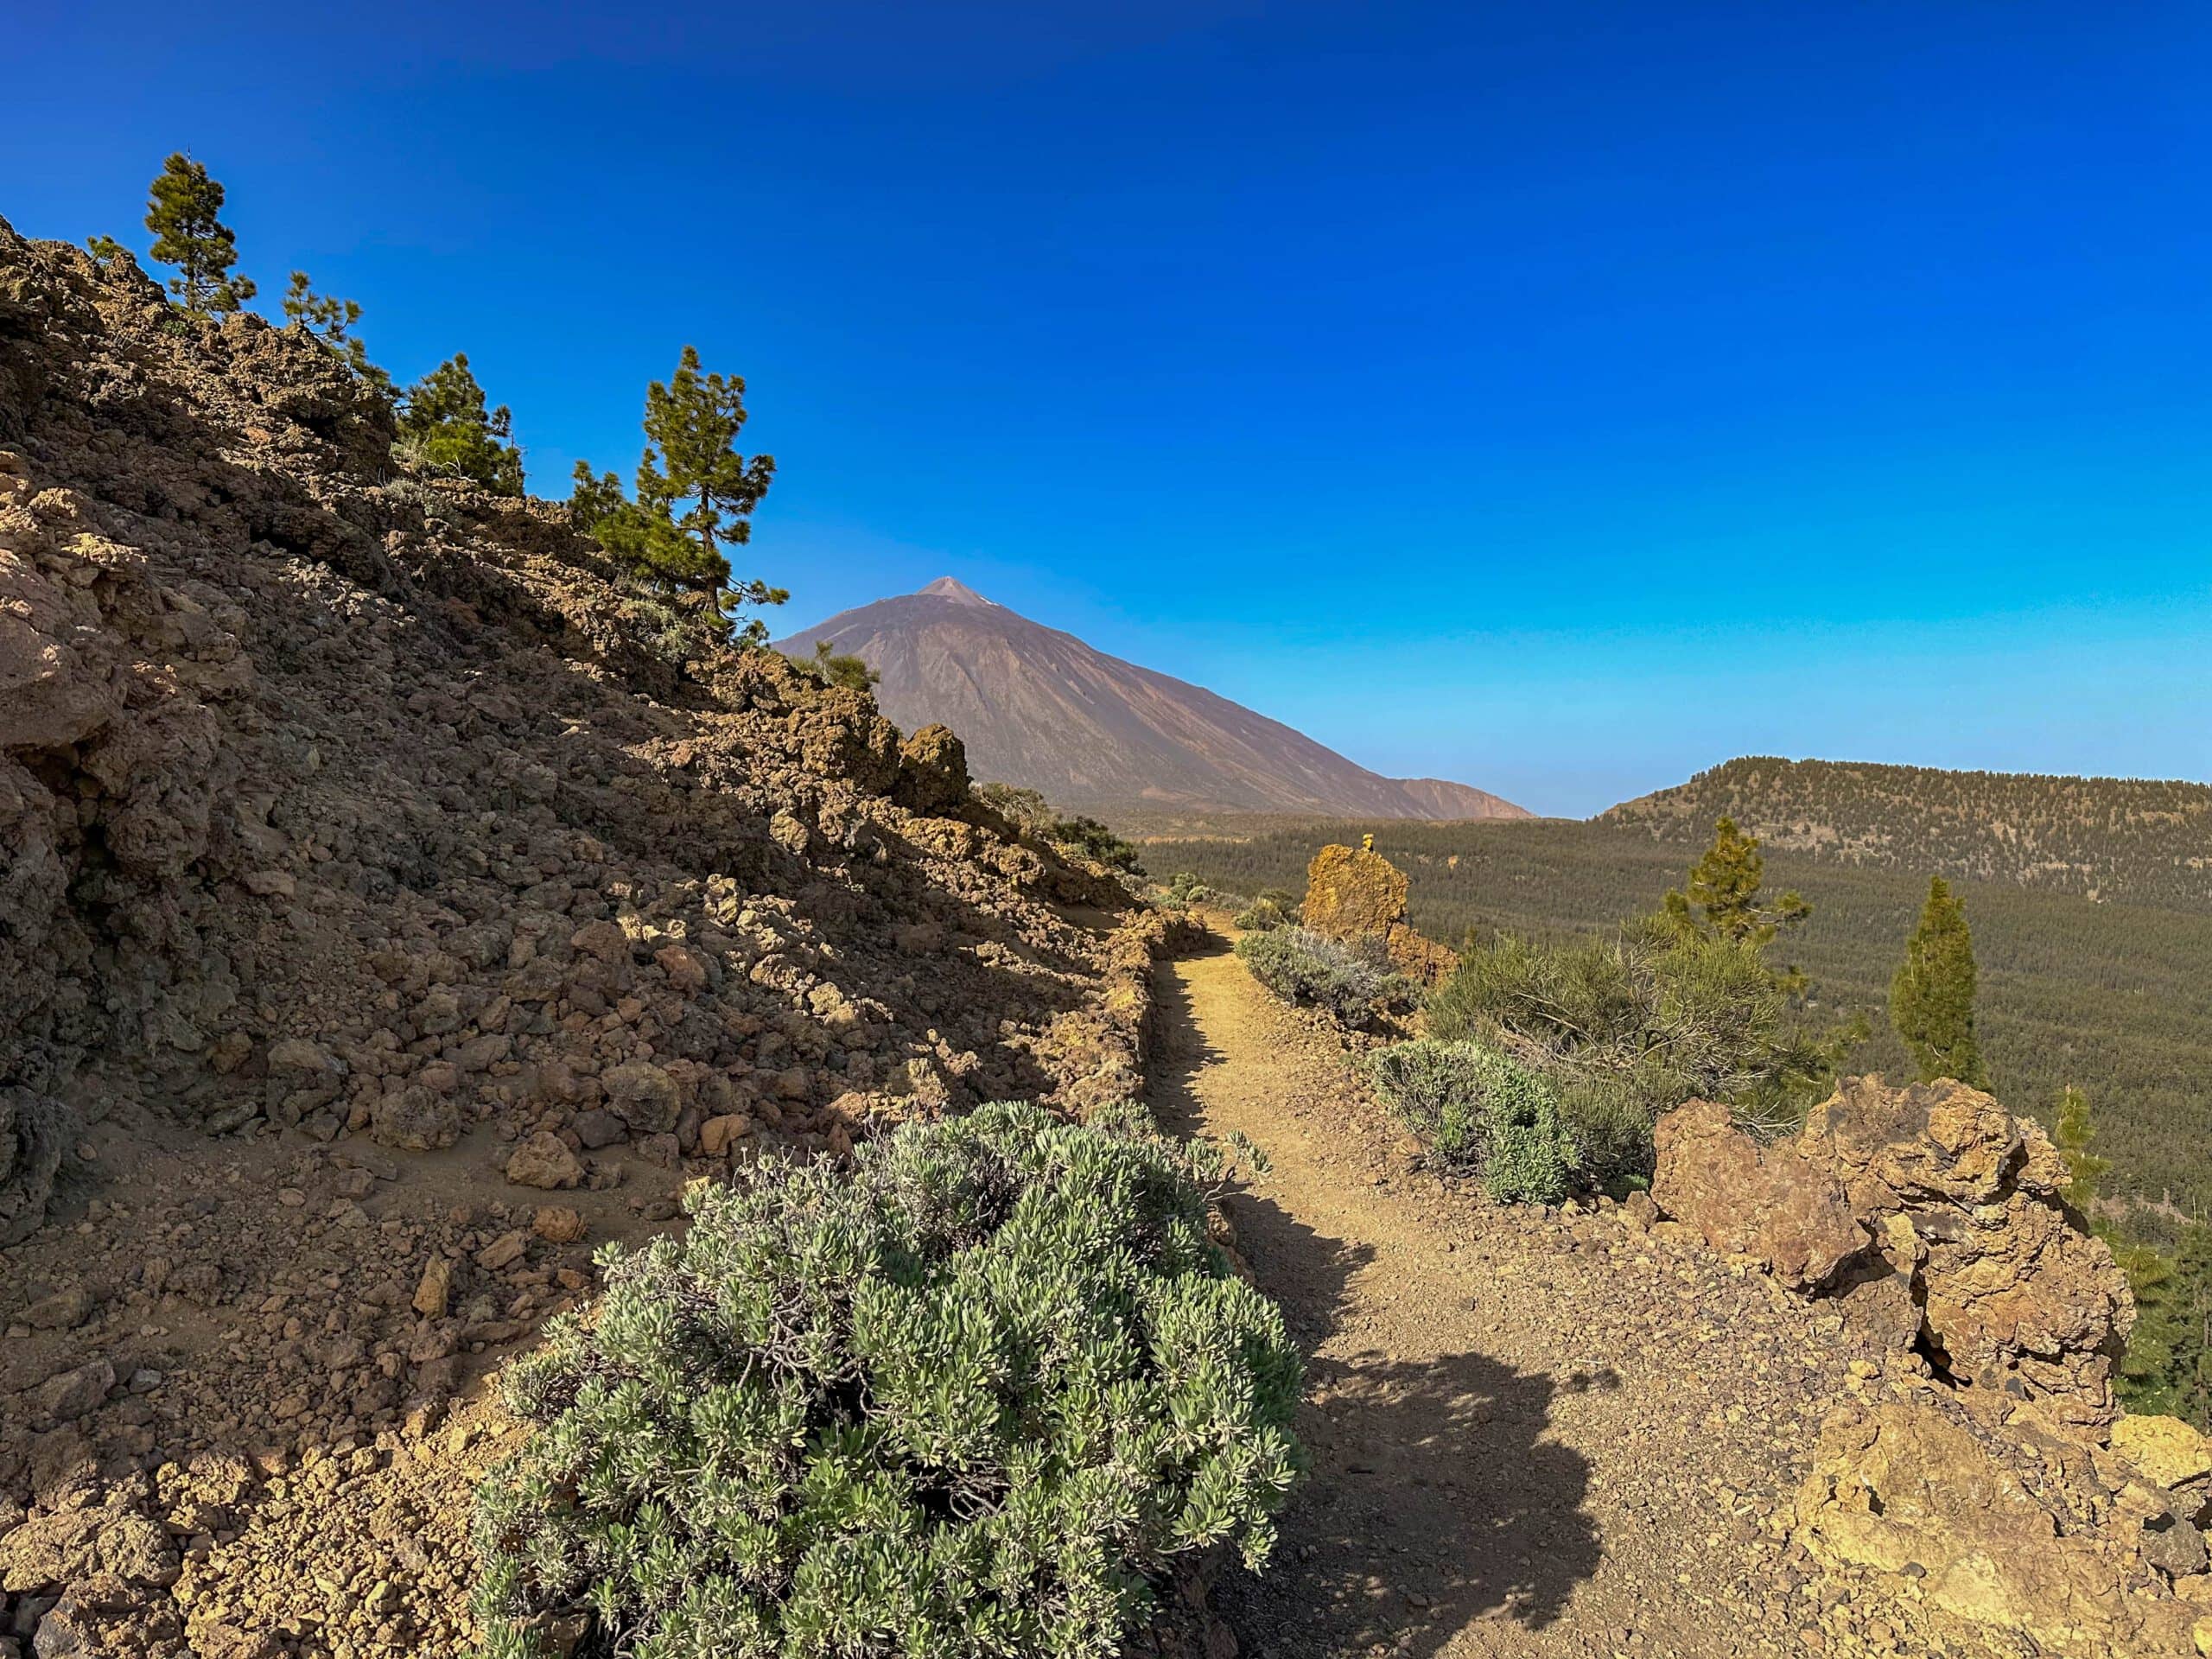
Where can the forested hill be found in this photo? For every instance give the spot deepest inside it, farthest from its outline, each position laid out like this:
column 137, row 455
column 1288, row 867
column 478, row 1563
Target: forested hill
column 2147, row 842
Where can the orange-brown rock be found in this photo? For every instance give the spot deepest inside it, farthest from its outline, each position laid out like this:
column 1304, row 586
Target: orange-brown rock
column 1955, row 1200
column 1747, row 1199
column 1351, row 891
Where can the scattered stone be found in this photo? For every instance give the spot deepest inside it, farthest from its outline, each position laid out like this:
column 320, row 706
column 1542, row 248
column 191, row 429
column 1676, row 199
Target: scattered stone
column 545, row 1162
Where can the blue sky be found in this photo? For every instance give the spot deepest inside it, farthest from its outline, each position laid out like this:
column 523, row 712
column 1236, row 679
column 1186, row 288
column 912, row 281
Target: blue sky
column 1560, row 398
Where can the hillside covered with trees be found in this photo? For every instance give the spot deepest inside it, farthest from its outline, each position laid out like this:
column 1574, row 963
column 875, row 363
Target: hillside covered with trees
column 2142, row 840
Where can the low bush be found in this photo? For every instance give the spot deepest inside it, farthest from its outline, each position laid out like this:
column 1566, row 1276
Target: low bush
column 1183, row 890
column 1272, row 909
column 1350, row 982
column 1478, row 1110
column 962, row 1401
column 1029, row 812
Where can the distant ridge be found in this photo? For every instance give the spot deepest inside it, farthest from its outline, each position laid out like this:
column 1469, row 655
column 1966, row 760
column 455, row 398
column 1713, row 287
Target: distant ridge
column 1039, row 708
column 2146, row 840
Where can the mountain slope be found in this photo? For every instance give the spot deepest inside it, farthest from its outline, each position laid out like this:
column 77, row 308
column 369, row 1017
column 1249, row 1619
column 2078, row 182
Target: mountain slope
column 2144, row 840
column 1040, row 708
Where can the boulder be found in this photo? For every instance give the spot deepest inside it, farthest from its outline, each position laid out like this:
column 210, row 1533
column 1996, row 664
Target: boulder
column 1747, row 1199
column 1352, row 891
column 644, row 1096
column 544, row 1161
column 2166, row 1449
column 932, row 772
column 35, row 1129
column 413, row 1119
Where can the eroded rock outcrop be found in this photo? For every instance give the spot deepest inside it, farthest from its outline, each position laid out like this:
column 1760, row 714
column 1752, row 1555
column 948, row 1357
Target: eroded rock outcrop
column 1353, row 891
column 1935, row 1213
column 2025, row 1530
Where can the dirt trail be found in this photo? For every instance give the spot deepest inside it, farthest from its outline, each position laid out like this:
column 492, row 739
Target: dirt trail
column 1531, row 1434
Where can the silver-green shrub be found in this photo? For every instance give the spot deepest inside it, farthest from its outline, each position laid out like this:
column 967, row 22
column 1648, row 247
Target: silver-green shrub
column 1310, row 970
column 963, row 1399
column 1476, row 1109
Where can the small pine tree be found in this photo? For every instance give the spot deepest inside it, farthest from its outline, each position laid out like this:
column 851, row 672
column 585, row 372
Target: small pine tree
column 831, row 667
column 106, row 250
column 182, row 213
column 691, row 463
column 1931, row 998
column 2075, row 1130
column 331, row 320
column 692, row 424
column 1723, row 898
column 445, row 428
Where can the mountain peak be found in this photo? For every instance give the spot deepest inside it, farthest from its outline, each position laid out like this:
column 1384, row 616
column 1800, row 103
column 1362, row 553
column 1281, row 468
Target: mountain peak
column 953, row 589
column 1039, row 708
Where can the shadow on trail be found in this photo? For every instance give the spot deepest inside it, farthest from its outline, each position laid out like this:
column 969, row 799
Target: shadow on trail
column 1432, row 1504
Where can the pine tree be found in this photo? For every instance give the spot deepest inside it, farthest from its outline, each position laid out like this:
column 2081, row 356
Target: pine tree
column 445, row 428
column 2075, row 1130
column 181, row 213
column 330, row 320
column 693, row 422
column 691, row 463
column 1931, row 998
column 1724, row 893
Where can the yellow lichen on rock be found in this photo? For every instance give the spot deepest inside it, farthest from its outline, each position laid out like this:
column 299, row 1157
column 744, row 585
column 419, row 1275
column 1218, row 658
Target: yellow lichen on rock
column 1352, row 891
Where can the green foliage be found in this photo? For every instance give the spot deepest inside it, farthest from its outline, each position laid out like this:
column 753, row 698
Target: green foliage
column 331, row 320
column 1352, row 981
column 1184, row 889
column 1532, row 1154
column 1630, row 1026
column 2134, row 839
column 690, row 462
column 960, row 1401
column 1722, row 895
column 446, row 431
column 1931, row 998
column 1476, row 1109
column 2073, row 1131
column 183, row 212
column 2168, row 1364
column 105, row 250
column 1028, row 811
column 1272, row 909
column 1088, row 838
column 832, row 669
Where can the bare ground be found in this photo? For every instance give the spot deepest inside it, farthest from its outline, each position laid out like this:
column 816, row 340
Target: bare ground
column 1531, row 1435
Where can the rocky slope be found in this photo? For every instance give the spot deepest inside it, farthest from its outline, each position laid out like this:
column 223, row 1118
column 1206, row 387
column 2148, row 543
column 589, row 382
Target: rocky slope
column 1040, row 708
column 382, row 922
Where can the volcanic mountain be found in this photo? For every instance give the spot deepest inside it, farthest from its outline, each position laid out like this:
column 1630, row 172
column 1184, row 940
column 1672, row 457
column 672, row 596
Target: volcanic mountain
column 1040, row 708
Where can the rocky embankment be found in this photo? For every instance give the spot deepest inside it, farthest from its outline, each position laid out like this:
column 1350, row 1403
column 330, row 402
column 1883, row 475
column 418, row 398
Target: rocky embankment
column 383, row 921
column 2000, row 1485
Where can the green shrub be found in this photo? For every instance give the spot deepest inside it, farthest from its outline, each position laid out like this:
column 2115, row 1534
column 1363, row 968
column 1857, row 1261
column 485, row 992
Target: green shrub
column 959, row 1401
column 1352, row 981
column 1093, row 840
column 1272, row 909
column 1630, row 1026
column 1530, row 1157
column 1030, row 813
column 1476, row 1109
column 1184, row 890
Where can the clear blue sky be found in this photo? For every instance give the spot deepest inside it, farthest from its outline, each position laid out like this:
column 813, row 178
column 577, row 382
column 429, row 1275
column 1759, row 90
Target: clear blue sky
column 1560, row 398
